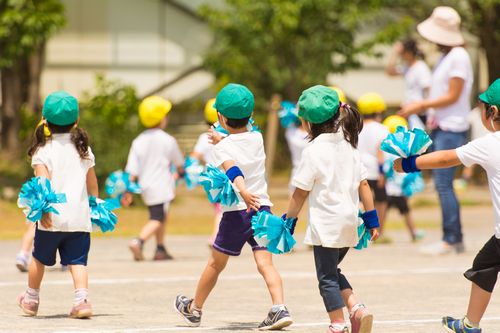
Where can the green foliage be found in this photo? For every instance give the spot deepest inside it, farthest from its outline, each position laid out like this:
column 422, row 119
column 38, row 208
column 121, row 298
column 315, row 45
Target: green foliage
column 25, row 24
column 109, row 114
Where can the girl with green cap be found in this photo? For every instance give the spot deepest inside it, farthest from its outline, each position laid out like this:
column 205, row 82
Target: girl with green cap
column 332, row 177
column 483, row 151
column 60, row 152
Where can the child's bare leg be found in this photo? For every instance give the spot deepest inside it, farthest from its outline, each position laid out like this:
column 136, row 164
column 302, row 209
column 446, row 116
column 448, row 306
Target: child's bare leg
column 479, row 299
column 410, row 224
column 35, row 275
column 80, row 276
column 150, row 229
column 349, row 299
column 215, row 230
column 160, row 234
column 28, row 237
column 336, row 316
column 216, row 264
column 264, row 261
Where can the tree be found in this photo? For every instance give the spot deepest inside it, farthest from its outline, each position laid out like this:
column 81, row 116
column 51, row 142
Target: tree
column 25, row 26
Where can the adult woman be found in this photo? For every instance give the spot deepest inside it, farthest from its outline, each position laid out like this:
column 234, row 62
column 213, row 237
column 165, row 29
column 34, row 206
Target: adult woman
column 448, row 98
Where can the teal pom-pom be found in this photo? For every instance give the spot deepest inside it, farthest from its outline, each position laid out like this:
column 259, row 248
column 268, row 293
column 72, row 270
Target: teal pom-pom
column 404, row 142
column 289, row 116
column 218, row 187
column 118, row 182
column 193, row 169
column 101, row 213
column 273, row 232
column 363, row 234
column 37, row 197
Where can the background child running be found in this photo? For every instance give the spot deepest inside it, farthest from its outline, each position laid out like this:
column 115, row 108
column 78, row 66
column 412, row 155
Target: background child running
column 371, row 106
column 241, row 155
column 485, row 152
column 332, row 176
column 150, row 160
column 202, row 151
column 66, row 159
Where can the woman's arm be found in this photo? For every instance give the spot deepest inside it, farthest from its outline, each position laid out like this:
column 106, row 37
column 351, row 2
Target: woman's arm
column 92, row 186
column 390, row 68
column 455, row 88
column 435, row 160
column 296, row 202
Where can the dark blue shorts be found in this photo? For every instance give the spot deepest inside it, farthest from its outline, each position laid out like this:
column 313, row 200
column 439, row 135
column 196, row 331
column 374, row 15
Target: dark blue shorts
column 73, row 247
column 235, row 229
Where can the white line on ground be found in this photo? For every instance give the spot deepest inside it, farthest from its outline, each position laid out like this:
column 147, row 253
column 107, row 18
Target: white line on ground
column 286, row 275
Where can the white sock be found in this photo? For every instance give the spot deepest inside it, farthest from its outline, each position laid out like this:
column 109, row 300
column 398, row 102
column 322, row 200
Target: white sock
column 81, row 294
column 469, row 323
column 32, row 295
column 277, row 307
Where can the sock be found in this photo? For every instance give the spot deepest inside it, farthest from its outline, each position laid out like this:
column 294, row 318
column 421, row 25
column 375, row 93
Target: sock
column 469, row 323
column 32, row 295
column 160, row 247
column 192, row 308
column 277, row 307
column 81, row 294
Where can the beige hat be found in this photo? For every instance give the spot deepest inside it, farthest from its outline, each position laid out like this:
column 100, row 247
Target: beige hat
column 443, row 27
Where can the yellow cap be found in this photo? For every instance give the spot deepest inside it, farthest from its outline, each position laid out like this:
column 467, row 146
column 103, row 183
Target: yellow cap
column 341, row 94
column 210, row 111
column 393, row 122
column 152, row 110
column 371, row 103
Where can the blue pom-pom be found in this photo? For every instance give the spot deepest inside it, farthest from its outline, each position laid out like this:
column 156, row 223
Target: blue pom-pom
column 218, row 187
column 118, row 182
column 101, row 213
column 273, row 232
column 37, row 197
column 289, row 116
column 405, row 143
column 363, row 234
column 413, row 183
column 192, row 169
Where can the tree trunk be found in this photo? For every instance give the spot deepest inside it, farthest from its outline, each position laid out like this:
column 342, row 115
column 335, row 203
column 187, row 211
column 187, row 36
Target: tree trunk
column 35, row 66
column 11, row 103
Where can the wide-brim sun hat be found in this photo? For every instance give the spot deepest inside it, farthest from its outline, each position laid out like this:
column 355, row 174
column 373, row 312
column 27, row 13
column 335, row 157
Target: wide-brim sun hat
column 442, row 27
column 152, row 110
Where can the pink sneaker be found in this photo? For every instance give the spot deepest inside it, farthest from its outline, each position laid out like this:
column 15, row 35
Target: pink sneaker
column 337, row 328
column 136, row 249
column 29, row 307
column 81, row 311
column 361, row 319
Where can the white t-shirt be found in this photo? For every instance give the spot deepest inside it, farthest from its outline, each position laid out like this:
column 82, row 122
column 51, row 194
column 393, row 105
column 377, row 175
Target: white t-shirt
column 68, row 175
column 485, row 152
column 331, row 170
column 477, row 128
column 371, row 136
column 247, row 151
column 417, row 79
column 204, row 148
column 454, row 64
column 297, row 140
column 152, row 154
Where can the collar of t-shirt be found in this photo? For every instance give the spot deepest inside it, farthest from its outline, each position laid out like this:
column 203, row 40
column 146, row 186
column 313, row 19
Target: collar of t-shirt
column 330, row 137
column 61, row 137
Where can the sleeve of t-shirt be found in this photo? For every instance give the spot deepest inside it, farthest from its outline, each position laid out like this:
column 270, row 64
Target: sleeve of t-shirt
column 40, row 157
column 133, row 161
column 90, row 160
column 424, row 77
column 176, row 155
column 475, row 152
column 363, row 174
column 201, row 145
column 459, row 65
column 219, row 154
column 306, row 173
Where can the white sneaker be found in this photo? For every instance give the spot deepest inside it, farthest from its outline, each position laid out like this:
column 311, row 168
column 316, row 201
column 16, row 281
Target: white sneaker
column 22, row 262
column 442, row 248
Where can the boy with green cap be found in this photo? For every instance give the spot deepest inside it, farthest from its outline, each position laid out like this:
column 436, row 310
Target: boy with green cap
column 241, row 155
column 485, row 152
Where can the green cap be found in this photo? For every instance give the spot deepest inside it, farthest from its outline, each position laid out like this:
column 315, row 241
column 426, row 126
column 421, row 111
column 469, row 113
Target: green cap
column 492, row 95
column 234, row 101
column 318, row 104
column 60, row 108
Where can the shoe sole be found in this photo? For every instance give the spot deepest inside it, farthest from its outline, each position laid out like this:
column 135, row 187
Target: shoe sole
column 137, row 253
column 22, row 268
column 190, row 324
column 82, row 314
column 282, row 323
column 27, row 312
column 366, row 324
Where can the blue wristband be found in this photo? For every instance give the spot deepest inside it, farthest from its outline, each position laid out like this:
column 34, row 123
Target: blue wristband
column 409, row 164
column 290, row 223
column 233, row 172
column 370, row 218
column 381, row 169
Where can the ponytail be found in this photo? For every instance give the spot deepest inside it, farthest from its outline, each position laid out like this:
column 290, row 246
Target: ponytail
column 39, row 139
column 351, row 123
column 80, row 139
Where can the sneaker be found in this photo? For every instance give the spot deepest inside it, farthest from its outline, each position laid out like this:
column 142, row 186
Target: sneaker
column 22, row 262
column 30, row 308
column 337, row 328
column 276, row 320
column 361, row 319
column 82, row 310
column 419, row 235
column 192, row 318
column 162, row 254
column 442, row 248
column 453, row 325
column 135, row 247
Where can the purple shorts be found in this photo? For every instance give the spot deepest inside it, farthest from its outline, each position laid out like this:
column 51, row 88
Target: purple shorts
column 235, row 230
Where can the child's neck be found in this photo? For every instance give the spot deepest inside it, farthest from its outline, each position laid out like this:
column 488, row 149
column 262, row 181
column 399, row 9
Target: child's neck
column 237, row 130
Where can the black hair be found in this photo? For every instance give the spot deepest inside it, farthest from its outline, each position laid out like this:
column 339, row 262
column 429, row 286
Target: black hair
column 410, row 45
column 490, row 113
column 79, row 137
column 237, row 123
column 348, row 118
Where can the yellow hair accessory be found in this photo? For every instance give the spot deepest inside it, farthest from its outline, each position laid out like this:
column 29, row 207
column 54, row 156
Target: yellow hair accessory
column 46, row 130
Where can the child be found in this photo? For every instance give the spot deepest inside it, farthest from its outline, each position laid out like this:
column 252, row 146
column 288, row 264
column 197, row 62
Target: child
column 23, row 257
column 202, row 152
column 332, row 176
column 150, row 158
column 371, row 106
column 296, row 138
column 66, row 159
column 483, row 151
column 241, row 155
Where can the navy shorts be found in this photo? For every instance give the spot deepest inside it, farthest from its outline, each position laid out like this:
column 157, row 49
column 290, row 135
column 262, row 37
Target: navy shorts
column 486, row 266
column 235, row 229
column 73, row 247
column 158, row 212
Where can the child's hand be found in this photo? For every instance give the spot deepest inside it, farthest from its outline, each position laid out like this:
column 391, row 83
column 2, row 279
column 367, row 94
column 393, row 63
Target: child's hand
column 398, row 165
column 375, row 232
column 213, row 136
column 126, row 199
column 251, row 200
column 46, row 221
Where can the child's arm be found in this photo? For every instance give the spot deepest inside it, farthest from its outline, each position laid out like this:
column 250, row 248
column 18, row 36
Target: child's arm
column 435, row 160
column 365, row 194
column 380, row 160
column 92, row 186
column 42, row 171
column 299, row 196
column 214, row 136
column 127, row 197
column 251, row 200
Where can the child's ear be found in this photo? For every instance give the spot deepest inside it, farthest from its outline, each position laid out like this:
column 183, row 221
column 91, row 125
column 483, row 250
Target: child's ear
column 494, row 113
